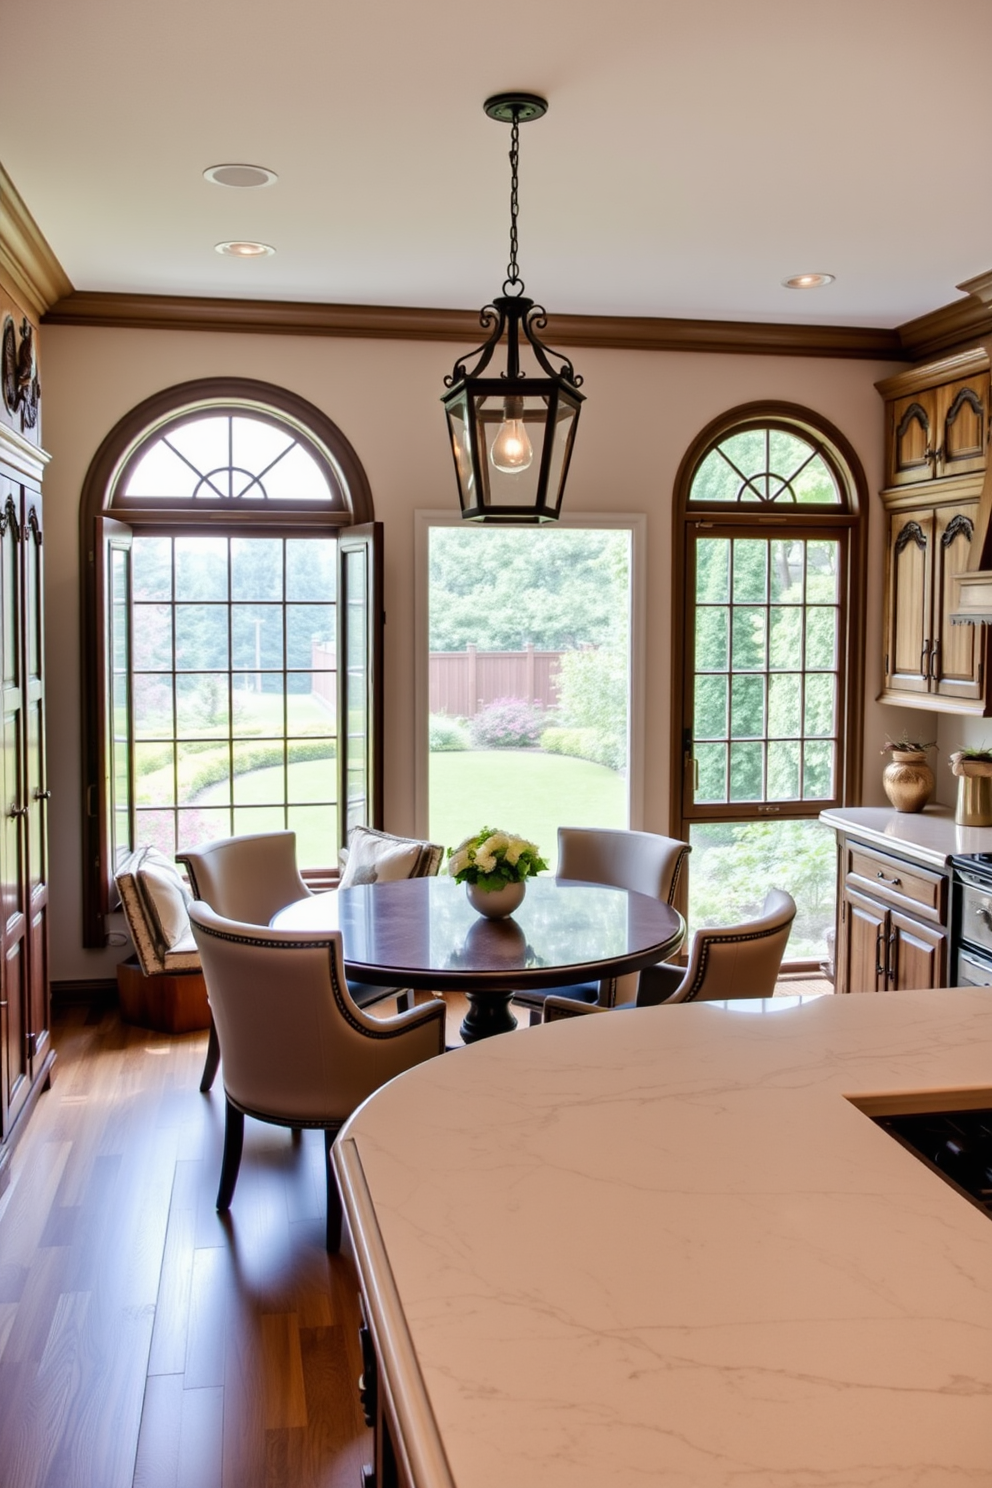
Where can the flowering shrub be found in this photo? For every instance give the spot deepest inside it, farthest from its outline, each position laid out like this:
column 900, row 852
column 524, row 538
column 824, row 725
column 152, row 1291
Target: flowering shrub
column 507, row 723
column 493, row 859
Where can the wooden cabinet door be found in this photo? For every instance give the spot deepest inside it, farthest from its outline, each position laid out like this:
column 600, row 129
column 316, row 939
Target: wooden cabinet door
column 916, row 954
column 961, row 424
column 35, row 887
column 957, row 652
column 910, row 441
column 867, row 928
column 908, row 604
column 13, row 923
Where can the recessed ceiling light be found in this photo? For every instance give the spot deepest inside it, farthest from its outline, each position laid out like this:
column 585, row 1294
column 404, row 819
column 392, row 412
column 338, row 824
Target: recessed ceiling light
column 244, row 250
column 244, row 177
column 808, row 281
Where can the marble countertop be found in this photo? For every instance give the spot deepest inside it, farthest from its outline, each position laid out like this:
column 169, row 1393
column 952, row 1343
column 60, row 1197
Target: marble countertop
column 930, row 836
column 664, row 1246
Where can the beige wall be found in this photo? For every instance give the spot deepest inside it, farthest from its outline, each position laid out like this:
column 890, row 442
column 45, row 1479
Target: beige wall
column 643, row 410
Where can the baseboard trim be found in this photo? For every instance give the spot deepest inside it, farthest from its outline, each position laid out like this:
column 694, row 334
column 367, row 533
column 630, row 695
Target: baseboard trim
column 85, row 989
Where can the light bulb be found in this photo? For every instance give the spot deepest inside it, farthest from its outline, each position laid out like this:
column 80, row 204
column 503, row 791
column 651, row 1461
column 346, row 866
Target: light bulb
column 512, row 450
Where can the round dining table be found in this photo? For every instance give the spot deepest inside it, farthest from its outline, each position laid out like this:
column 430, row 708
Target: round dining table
column 422, row 932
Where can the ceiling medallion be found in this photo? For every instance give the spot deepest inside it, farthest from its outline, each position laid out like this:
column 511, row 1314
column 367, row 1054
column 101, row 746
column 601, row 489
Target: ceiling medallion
column 512, row 433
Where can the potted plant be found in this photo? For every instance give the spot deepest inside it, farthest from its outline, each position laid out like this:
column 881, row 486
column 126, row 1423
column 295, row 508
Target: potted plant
column 908, row 779
column 494, row 867
column 973, row 768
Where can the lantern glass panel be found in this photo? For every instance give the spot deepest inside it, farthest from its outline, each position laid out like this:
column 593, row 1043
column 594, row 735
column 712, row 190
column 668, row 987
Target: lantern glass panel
column 461, row 445
column 512, row 433
column 562, row 436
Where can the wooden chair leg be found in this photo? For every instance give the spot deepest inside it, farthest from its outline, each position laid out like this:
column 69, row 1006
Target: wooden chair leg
column 333, row 1198
column 234, row 1140
column 212, row 1061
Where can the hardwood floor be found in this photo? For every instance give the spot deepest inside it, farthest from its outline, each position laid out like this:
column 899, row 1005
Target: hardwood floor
column 143, row 1339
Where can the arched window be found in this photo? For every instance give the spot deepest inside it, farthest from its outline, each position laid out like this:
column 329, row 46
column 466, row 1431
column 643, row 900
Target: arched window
column 768, row 604
column 230, row 564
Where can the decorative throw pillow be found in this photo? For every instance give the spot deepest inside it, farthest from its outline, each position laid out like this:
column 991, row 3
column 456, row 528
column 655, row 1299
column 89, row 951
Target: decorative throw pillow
column 375, row 857
column 165, row 897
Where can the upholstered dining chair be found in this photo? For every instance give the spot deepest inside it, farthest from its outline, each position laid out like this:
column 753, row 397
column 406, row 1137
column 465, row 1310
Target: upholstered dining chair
column 643, row 862
column 297, row 1050
column 252, row 877
column 245, row 878
column 725, row 961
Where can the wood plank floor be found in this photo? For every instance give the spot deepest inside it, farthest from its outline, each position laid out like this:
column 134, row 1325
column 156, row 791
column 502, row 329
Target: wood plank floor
column 143, row 1339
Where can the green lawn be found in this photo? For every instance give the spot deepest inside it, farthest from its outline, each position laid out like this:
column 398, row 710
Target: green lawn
column 315, row 826
column 523, row 791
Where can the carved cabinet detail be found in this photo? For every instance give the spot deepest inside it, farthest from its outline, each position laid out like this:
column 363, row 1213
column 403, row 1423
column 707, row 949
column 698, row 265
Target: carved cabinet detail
column 936, row 437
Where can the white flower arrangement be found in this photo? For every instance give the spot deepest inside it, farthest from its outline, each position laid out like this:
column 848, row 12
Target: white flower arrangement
column 492, row 859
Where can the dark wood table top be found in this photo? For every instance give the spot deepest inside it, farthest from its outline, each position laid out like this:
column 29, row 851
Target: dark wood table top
column 422, row 932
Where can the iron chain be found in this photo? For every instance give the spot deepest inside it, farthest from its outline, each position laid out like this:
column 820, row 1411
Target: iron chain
column 513, row 278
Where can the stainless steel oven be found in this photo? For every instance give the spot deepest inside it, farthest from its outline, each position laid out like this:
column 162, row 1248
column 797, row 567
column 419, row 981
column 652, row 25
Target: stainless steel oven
column 971, row 922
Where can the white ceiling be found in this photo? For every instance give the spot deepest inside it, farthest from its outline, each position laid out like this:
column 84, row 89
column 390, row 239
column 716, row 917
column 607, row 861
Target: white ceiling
column 694, row 154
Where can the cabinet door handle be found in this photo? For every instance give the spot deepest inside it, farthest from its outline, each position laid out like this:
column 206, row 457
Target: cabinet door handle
column 894, row 882
column 16, row 811
column 924, row 661
column 890, row 959
column 938, row 455
column 934, row 673
column 43, row 795
column 880, row 970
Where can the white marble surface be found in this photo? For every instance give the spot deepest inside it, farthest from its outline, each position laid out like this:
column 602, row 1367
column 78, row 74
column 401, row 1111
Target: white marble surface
column 930, row 835
column 664, row 1247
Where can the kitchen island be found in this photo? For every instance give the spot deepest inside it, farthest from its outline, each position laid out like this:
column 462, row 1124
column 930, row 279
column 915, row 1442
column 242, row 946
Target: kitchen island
column 668, row 1246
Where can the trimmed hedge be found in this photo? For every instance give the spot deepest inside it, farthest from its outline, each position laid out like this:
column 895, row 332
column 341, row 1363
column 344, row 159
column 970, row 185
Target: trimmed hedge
column 581, row 743
column 447, row 734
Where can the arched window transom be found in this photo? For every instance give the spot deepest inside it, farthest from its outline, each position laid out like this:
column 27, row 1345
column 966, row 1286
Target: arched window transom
column 229, row 457
column 766, row 465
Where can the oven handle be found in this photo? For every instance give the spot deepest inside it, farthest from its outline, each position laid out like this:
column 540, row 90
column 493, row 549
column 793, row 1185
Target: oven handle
column 974, row 880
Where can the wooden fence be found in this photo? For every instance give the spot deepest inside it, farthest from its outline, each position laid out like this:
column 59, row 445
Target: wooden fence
column 463, row 682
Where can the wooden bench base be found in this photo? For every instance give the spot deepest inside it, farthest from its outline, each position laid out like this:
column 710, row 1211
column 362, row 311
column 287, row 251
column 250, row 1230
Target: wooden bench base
column 170, row 1002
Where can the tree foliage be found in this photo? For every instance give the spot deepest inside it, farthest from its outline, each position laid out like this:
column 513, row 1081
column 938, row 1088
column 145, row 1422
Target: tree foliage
column 499, row 589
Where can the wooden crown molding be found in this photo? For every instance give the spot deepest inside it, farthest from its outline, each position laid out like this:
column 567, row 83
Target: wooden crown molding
column 628, row 333
column 968, row 363
column 952, row 326
column 30, row 268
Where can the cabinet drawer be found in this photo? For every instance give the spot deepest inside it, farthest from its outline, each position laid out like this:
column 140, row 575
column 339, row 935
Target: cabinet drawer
column 897, row 882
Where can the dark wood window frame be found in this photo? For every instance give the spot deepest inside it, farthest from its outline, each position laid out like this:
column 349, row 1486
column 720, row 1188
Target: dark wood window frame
column 849, row 519
column 351, row 514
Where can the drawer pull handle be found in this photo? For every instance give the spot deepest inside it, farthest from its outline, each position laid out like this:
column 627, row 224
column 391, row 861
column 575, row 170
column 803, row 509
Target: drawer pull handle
column 982, row 913
column 895, row 882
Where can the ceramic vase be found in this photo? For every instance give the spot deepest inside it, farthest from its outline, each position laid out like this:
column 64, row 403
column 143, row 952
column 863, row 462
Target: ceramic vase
column 497, row 904
column 974, row 805
column 908, row 780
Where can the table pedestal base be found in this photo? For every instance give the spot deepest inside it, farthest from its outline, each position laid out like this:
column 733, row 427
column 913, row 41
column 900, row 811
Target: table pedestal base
column 488, row 1013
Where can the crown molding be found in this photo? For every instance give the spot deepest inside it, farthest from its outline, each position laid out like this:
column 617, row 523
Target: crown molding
column 952, row 326
column 626, row 333
column 32, row 271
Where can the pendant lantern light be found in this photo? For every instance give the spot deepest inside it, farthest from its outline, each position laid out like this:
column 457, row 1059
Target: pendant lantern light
column 512, row 432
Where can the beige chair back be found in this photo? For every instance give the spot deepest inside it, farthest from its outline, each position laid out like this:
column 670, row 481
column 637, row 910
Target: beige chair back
column 643, row 862
column 738, row 960
column 295, row 1047
column 246, row 878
